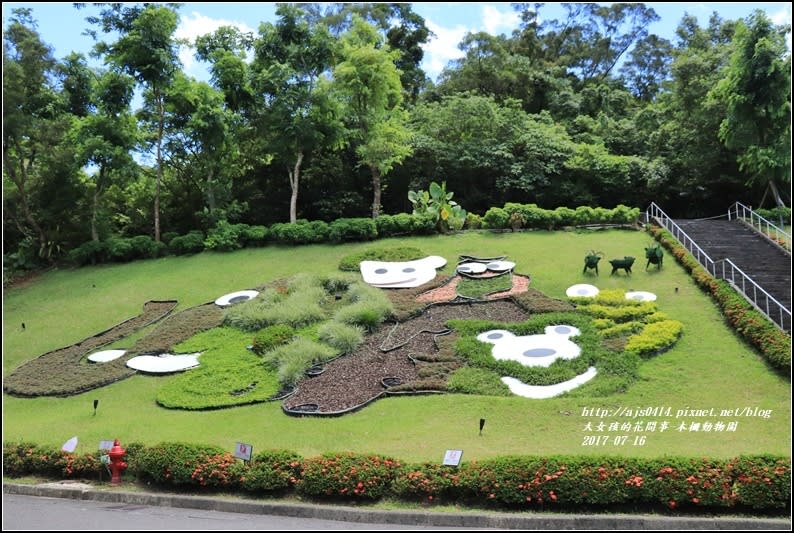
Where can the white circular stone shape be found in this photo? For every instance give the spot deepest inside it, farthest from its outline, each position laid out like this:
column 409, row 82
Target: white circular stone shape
column 540, row 392
column 106, row 355
column 563, row 330
column 164, row 363
column 641, row 296
column 471, row 268
column 582, row 290
column 500, row 266
column 236, row 297
column 495, row 335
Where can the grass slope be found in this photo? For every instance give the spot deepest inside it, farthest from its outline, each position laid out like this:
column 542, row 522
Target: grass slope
column 709, row 367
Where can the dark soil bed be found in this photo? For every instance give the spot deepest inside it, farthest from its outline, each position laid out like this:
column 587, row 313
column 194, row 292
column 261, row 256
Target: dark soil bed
column 353, row 380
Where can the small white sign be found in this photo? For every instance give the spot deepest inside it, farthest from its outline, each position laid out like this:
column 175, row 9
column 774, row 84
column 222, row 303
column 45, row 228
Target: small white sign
column 243, row 451
column 453, row 457
column 105, row 444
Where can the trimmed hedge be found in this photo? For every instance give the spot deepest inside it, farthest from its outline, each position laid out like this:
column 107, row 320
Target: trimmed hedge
column 773, row 344
column 758, row 482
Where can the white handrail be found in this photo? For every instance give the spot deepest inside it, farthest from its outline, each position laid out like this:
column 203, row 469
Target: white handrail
column 726, row 269
column 740, row 211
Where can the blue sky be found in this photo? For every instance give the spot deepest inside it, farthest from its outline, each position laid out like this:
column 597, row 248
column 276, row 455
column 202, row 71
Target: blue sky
column 61, row 25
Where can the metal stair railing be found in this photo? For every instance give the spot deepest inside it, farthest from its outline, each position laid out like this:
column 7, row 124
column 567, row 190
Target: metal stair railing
column 727, row 270
column 781, row 238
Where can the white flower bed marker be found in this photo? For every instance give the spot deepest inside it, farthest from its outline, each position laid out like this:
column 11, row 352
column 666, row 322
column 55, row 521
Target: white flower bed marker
column 582, row 290
column 641, row 296
column 540, row 392
column 106, row 356
column 164, row 363
column 236, row 297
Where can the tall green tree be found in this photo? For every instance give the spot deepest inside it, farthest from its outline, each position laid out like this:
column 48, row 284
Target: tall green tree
column 295, row 107
column 32, row 119
column 104, row 139
column 368, row 83
column 757, row 90
column 147, row 50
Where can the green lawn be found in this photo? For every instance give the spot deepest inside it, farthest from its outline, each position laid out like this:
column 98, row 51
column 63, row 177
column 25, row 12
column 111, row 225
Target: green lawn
column 709, row 367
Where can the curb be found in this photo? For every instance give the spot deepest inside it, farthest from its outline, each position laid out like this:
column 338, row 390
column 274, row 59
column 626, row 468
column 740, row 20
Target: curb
column 528, row 520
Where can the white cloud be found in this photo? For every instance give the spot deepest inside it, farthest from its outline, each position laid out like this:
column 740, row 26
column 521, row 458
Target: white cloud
column 442, row 48
column 495, row 20
column 196, row 25
column 782, row 17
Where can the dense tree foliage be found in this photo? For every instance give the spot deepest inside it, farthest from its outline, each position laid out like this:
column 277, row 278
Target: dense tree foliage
column 325, row 113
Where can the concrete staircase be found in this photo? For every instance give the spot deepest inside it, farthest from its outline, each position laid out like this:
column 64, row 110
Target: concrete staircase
column 764, row 262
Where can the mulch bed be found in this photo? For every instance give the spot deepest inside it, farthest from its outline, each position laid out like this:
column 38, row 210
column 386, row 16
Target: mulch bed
column 351, row 381
column 63, row 372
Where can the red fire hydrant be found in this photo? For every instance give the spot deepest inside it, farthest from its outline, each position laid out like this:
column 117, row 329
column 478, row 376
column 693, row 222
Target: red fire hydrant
column 116, row 464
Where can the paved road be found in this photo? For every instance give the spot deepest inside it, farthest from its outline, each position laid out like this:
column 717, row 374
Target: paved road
column 37, row 513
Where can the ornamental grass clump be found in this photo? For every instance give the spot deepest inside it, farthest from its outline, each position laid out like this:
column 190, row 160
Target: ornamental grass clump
column 293, row 359
column 369, row 307
column 342, row 337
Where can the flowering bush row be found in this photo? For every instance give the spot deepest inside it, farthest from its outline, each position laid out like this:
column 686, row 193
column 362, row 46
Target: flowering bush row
column 774, row 344
column 556, row 482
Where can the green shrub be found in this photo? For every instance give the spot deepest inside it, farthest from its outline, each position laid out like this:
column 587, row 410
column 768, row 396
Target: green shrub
column 254, row 235
column 144, row 247
column 89, row 253
column 473, row 221
column 565, row 216
column 225, row 237
column 347, row 476
column 190, row 243
column 423, row 224
column 272, row 471
column 655, row 337
column 119, row 249
column 470, row 380
column 168, row 236
column 352, row 229
column 342, row 337
column 623, row 313
column 584, row 215
column 399, row 224
column 300, row 232
column 775, row 214
column 272, row 336
column 351, row 263
column 496, row 218
column 625, row 328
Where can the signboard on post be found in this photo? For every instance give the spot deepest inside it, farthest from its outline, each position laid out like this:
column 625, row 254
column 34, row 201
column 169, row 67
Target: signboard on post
column 105, row 444
column 453, row 457
column 243, row 451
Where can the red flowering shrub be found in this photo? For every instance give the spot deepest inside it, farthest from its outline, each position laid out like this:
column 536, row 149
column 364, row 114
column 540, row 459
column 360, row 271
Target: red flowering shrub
column 347, row 475
column 272, row 471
